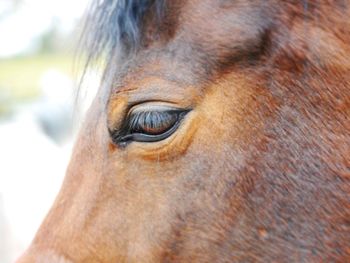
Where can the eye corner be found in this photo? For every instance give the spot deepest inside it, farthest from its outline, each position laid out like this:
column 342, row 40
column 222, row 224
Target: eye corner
column 118, row 138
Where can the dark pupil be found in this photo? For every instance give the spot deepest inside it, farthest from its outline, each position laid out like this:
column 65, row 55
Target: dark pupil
column 152, row 122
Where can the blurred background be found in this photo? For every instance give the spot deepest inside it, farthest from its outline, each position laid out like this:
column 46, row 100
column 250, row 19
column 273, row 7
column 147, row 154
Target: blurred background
column 39, row 114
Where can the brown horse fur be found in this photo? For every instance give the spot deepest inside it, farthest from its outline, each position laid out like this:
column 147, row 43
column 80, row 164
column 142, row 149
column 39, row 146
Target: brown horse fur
column 258, row 170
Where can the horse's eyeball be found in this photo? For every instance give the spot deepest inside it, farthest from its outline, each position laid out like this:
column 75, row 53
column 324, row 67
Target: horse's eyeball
column 148, row 124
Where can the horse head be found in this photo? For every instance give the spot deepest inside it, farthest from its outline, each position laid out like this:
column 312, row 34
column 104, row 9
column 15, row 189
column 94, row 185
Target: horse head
column 220, row 133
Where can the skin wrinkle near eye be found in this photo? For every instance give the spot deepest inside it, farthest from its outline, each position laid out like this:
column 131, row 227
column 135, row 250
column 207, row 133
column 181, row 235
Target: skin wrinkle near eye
column 151, row 90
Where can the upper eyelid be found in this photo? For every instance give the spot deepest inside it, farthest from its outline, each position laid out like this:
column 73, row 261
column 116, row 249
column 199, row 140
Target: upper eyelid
column 151, row 107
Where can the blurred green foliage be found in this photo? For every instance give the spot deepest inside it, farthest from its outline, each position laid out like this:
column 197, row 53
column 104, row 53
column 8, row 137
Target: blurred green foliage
column 20, row 76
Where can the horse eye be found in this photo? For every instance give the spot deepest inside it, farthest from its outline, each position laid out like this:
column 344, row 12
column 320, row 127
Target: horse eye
column 149, row 125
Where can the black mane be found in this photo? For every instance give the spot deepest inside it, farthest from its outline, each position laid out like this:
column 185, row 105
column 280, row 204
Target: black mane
column 113, row 23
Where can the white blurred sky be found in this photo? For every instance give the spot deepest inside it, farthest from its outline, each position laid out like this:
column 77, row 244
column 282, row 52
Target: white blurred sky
column 21, row 27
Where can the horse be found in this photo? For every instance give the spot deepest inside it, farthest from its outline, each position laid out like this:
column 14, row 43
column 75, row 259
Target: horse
column 220, row 133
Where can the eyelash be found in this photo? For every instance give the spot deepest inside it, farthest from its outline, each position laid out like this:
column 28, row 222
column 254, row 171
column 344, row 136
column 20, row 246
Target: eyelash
column 146, row 126
column 152, row 119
